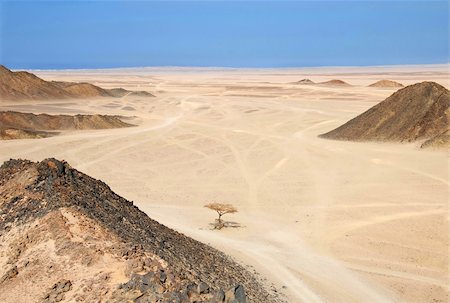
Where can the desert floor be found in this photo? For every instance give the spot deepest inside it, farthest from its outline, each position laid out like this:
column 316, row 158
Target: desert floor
column 321, row 220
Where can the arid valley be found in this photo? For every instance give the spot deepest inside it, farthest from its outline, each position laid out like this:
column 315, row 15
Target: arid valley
column 318, row 220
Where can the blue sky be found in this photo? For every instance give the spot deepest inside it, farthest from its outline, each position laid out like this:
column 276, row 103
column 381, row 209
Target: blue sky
column 88, row 34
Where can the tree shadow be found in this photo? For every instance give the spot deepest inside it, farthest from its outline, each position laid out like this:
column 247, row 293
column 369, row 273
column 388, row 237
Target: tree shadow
column 225, row 224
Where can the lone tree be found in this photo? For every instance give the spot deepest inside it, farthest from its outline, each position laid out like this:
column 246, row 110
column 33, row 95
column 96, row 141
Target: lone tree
column 221, row 210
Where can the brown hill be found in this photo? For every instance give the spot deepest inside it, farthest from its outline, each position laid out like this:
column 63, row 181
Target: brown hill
column 67, row 237
column 83, row 90
column 24, row 85
column 416, row 112
column 304, row 81
column 16, row 125
column 120, row 92
column 335, row 82
column 386, row 83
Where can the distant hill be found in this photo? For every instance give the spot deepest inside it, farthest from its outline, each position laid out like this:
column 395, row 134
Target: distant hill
column 335, row 82
column 17, row 125
column 386, row 83
column 305, row 81
column 416, row 112
column 27, row 86
column 68, row 237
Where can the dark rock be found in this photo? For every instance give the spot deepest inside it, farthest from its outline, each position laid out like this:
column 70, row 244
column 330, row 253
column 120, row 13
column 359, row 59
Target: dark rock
column 203, row 288
column 162, row 276
column 236, row 295
column 239, row 294
column 11, row 273
column 56, row 293
column 220, row 296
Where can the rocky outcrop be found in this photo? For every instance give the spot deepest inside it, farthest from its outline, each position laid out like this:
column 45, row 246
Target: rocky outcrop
column 58, row 224
column 27, row 86
column 416, row 112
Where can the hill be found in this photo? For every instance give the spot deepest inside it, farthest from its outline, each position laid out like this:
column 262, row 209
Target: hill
column 27, row 86
column 335, row 82
column 386, row 83
column 416, row 112
column 17, row 125
column 66, row 236
column 24, row 85
column 305, row 81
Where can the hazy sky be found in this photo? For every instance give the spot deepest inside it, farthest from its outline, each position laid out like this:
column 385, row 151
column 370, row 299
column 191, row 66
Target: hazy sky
column 85, row 34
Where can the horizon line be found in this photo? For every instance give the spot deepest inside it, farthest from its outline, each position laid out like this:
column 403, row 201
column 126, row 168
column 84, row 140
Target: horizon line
column 230, row 67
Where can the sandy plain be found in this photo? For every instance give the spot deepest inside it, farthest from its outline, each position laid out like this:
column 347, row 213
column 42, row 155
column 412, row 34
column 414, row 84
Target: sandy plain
column 321, row 220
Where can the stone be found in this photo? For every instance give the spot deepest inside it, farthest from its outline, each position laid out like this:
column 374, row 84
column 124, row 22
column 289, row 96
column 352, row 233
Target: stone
column 236, row 295
column 162, row 276
column 56, row 293
column 219, row 296
column 203, row 288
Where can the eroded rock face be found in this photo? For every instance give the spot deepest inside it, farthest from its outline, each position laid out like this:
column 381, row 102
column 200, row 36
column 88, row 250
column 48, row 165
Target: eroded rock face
column 67, row 237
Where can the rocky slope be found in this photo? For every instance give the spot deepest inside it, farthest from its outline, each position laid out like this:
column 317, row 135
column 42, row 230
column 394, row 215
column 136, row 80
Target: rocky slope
column 386, row 83
column 65, row 236
column 17, row 125
column 441, row 141
column 416, row 112
column 27, row 86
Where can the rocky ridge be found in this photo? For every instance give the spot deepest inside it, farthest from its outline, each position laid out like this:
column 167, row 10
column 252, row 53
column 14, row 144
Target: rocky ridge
column 17, row 125
column 23, row 85
column 65, row 236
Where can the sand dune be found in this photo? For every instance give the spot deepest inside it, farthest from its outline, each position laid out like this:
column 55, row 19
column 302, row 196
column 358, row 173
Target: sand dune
column 322, row 220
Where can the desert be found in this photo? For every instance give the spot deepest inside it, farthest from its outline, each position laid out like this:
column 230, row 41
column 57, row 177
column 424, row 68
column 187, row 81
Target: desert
column 319, row 220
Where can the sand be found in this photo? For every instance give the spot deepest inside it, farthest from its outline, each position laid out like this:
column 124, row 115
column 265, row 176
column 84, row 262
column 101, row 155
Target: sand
column 321, row 220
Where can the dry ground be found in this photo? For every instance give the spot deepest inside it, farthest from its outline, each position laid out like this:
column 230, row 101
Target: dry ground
column 324, row 221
